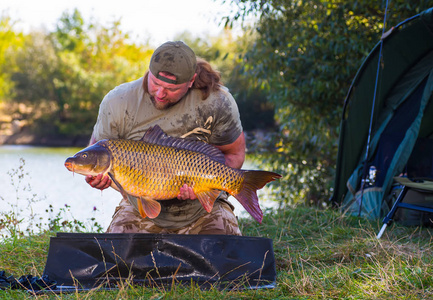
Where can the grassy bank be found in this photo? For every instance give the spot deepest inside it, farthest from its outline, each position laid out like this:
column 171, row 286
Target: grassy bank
column 319, row 255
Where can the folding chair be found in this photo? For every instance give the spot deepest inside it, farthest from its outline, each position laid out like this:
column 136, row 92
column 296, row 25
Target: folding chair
column 419, row 178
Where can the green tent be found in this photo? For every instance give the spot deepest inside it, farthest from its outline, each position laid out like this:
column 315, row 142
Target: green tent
column 382, row 119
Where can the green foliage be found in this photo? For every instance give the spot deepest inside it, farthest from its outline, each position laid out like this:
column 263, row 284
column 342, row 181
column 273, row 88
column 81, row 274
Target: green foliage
column 63, row 75
column 63, row 221
column 10, row 41
column 304, row 58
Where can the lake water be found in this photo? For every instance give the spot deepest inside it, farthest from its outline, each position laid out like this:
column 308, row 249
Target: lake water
column 33, row 178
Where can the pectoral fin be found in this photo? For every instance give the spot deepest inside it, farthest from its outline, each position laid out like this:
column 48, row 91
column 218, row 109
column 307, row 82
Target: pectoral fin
column 207, row 199
column 149, row 207
column 121, row 190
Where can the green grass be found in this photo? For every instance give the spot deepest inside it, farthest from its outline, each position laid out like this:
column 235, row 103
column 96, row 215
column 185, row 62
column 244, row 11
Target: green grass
column 320, row 254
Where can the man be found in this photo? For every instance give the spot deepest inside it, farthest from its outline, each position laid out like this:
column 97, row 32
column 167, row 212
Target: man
column 184, row 96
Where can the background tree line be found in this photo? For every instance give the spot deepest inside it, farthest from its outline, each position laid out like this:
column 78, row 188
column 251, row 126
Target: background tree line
column 62, row 76
column 289, row 71
column 304, row 56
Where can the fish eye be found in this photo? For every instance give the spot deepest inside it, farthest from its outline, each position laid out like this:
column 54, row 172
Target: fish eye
column 84, row 155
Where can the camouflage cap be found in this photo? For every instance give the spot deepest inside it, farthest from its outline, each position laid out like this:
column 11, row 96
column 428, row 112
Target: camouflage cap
column 175, row 58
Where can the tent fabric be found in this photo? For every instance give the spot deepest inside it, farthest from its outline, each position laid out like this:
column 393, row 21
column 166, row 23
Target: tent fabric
column 403, row 128
column 402, row 112
column 86, row 260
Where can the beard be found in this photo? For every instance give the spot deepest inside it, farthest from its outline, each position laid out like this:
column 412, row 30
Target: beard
column 161, row 106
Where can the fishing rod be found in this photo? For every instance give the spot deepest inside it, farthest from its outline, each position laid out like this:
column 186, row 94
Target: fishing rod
column 367, row 151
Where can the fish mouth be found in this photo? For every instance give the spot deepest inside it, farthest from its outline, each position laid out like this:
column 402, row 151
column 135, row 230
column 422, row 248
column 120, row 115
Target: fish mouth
column 69, row 165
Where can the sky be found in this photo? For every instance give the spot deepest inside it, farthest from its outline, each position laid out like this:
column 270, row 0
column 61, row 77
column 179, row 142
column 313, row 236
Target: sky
column 155, row 21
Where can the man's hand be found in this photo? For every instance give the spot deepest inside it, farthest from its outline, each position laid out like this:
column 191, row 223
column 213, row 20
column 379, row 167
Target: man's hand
column 186, row 193
column 99, row 181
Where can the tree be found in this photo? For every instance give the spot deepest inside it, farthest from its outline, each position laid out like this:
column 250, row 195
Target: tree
column 65, row 74
column 304, row 58
column 93, row 60
column 10, row 42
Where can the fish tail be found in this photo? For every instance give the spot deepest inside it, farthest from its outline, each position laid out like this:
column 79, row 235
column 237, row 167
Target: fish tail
column 247, row 196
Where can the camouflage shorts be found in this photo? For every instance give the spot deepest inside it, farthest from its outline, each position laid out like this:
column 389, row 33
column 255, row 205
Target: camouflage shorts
column 221, row 220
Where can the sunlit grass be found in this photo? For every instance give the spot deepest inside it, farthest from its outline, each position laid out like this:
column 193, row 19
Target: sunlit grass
column 320, row 254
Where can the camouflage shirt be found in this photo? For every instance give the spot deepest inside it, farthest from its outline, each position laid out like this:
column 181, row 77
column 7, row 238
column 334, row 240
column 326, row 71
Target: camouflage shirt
column 127, row 112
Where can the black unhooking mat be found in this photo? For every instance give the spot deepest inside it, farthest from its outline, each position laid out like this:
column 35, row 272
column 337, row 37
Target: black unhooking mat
column 84, row 260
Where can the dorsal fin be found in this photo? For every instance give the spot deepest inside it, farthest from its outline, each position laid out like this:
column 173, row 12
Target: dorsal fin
column 155, row 135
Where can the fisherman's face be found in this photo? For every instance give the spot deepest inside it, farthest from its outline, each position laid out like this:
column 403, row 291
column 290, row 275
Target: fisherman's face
column 165, row 95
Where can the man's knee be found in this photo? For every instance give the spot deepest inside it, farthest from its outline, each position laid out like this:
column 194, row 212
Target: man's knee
column 221, row 221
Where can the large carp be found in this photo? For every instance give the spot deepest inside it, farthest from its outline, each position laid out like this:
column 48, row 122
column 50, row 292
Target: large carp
column 157, row 166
